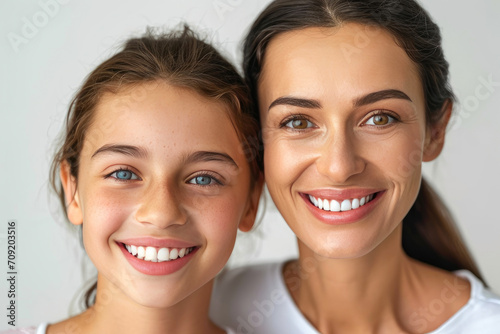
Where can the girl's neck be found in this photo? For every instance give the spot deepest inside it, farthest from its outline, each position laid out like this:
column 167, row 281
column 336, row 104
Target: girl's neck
column 377, row 293
column 114, row 312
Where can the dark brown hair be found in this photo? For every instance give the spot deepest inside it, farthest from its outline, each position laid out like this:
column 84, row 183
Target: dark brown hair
column 179, row 58
column 429, row 232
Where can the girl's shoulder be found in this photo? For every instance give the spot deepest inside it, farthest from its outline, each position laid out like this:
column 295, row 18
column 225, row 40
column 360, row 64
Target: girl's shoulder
column 41, row 329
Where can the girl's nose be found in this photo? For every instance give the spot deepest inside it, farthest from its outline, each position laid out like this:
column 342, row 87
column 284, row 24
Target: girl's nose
column 161, row 207
column 340, row 158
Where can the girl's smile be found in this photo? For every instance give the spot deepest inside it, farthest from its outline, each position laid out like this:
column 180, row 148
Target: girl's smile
column 157, row 256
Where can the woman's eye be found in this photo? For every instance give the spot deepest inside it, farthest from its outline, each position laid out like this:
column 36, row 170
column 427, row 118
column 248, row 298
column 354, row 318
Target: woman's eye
column 203, row 180
column 124, row 175
column 380, row 120
column 299, row 124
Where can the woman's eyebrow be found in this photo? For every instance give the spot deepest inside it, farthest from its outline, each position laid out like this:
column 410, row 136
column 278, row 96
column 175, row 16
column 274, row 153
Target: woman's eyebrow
column 358, row 102
column 380, row 95
column 296, row 102
column 206, row 156
column 133, row 151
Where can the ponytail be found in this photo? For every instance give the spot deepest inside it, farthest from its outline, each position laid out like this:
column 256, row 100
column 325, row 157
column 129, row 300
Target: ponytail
column 430, row 234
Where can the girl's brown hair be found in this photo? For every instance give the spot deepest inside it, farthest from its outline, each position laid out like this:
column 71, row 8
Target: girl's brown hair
column 429, row 232
column 179, row 58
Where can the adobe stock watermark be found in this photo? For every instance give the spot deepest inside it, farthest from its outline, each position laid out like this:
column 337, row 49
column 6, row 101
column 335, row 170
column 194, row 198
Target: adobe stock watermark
column 32, row 24
column 483, row 91
column 421, row 318
column 222, row 7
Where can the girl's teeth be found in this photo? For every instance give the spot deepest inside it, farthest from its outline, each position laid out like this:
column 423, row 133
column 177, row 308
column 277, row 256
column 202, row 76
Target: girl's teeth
column 336, row 206
column 174, row 253
column 346, row 205
column 157, row 255
column 163, row 255
column 151, row 254
column 355, row 203
column 140, row 252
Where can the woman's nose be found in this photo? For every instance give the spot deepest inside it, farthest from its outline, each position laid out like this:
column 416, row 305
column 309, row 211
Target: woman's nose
column 339, row 157
column 161, row 206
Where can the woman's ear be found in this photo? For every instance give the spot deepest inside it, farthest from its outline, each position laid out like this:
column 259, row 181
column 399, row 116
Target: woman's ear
column 435, row 135
column 68, row 182
column 250, row 214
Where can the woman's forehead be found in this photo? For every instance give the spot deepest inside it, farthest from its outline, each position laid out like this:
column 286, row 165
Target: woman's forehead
column 351, row 59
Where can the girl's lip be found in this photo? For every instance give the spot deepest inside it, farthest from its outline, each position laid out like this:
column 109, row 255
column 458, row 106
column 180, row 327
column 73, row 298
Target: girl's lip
column 342, row 217
column 158, row 243
column 156, row 268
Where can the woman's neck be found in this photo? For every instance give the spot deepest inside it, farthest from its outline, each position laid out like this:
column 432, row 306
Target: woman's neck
column 377, row 293
column 114, row 312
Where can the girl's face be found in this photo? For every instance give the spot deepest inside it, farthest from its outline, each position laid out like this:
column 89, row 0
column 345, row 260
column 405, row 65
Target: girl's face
column 161, row 176
column 344, row 135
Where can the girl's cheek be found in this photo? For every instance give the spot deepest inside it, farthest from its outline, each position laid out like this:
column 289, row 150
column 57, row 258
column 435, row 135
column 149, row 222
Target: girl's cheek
column 220, row 216
column 112, row 207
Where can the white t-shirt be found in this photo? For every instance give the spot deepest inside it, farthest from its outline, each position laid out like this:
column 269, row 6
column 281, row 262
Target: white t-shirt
column 255, row 300
column 42, row 328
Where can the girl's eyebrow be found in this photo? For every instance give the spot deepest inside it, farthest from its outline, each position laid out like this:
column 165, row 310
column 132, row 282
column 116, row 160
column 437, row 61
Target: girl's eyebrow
column 211, row 156
column 133, row 151
column 139, row 152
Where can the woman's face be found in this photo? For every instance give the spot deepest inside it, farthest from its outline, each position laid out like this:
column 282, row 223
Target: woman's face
column 162, row 186
column 345, row 134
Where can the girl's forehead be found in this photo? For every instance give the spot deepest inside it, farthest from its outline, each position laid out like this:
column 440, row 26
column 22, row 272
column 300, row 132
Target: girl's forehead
column 161, row 117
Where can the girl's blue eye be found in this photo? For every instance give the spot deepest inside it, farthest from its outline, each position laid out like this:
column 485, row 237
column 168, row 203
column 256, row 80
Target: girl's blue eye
column 380, row 120
column 203, row 180
column 299, row 124
column 124, row 175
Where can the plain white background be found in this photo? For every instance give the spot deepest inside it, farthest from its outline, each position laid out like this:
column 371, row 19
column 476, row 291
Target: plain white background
column 59, row 43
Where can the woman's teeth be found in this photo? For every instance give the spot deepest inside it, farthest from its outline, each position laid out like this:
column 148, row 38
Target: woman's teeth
column 336, row 206
column 154, row 254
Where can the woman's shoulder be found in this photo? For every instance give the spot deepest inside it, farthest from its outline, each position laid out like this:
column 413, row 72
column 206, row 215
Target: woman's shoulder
column 255, row 299
column 41, row 329
column 481, row 313
column 249, row 282
column 248, row 275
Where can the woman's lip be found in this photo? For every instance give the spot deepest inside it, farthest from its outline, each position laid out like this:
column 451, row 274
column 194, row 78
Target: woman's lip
column 341, row 194
column 156, row 242
column 342, row 217
column 156, row 268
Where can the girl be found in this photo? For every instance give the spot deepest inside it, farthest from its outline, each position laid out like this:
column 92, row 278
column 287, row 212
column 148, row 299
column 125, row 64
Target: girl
column 152, row 167
column 352, row 97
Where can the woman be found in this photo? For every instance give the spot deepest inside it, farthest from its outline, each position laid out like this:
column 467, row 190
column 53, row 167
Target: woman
column 352, row 97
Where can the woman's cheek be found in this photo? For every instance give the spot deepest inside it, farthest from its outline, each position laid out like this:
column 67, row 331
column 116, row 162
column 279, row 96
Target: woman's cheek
column 285, row 157
column 406, row 158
